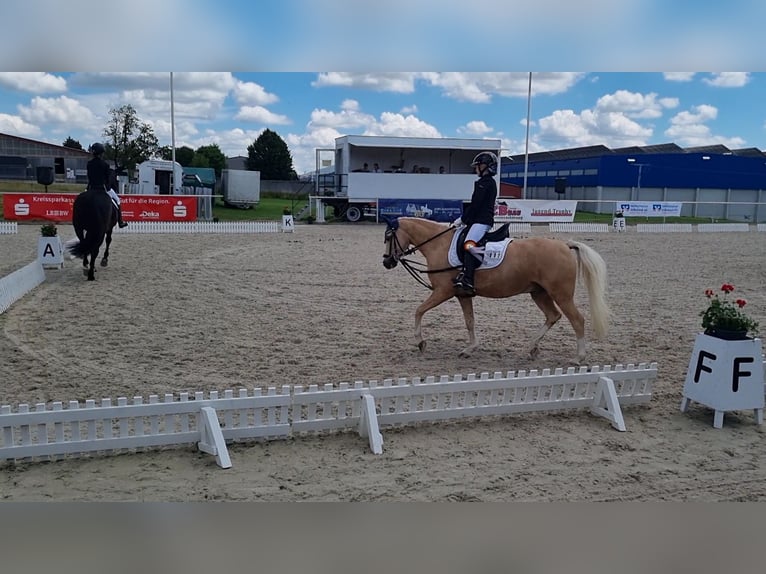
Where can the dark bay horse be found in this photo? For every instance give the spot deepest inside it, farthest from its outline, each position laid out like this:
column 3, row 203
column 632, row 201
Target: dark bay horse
column 545, row 268
column 93, row 217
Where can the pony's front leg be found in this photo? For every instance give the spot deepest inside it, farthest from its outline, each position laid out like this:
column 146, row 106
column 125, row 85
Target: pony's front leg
column 466, row 303
column 437, row 297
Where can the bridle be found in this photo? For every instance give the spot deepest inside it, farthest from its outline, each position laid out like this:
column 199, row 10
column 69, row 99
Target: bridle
column 397, row 254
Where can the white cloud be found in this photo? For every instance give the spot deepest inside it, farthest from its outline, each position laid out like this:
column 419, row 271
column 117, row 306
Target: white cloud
column 591, row 127
column 688, row 128
column 479, row 87
column 34, row 82
column 14, row 125
column 400, row 82
column 475, row 128
column 728, row 79
column 250, row 93
column 261, row 115
column 62, row 111
column 350, row 117
column 397, row 125
column 635, row 105
column 679, row 76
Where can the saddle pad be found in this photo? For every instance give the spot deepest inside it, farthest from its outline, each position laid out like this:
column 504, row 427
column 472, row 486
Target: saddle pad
column 494, row 252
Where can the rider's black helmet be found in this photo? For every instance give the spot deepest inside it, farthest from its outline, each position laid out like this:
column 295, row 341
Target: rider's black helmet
column 487, row 158
column 97, row 148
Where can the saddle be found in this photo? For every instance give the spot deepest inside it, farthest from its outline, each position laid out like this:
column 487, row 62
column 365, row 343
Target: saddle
column 499, row 234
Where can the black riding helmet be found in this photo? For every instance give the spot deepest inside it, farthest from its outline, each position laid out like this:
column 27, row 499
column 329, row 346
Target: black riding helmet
column 487, row 158
column 97, row 148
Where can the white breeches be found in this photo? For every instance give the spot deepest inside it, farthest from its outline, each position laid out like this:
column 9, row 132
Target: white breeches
column 114, row 196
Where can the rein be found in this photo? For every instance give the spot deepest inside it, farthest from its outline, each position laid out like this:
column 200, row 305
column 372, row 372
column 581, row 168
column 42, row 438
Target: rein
column 412, row 266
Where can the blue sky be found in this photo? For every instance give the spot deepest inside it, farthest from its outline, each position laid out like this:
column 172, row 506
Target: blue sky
column 309, row 109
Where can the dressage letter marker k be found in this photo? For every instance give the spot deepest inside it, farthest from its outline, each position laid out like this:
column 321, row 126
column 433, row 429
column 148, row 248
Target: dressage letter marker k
column 701, row 366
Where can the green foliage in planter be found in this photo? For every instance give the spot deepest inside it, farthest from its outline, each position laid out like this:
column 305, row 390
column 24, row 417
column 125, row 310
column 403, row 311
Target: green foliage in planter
column 723, row 313
column 49, row 230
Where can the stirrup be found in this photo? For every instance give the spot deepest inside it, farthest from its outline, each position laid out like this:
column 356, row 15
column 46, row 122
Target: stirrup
column 122, row 224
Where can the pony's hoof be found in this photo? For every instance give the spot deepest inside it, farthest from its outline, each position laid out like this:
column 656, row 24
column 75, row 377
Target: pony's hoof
column 422, row 346
column 85, row 273
column 533, row 352
column 104, row 263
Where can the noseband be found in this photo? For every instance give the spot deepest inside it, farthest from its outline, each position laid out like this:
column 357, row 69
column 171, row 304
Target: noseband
column 397, row 253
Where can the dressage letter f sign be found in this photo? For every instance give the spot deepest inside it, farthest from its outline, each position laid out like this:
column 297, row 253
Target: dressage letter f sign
column 701, row 366
column 736, row 374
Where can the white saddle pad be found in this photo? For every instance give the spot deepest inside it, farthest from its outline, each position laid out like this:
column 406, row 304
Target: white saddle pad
column 493, row 252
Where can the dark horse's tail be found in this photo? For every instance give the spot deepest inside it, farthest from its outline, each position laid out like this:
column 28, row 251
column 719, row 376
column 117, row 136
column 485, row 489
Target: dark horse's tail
column 91, row 213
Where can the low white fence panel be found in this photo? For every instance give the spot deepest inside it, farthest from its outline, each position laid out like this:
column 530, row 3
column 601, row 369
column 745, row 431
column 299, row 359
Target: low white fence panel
column 14, row 286
column 722, row 227
column 365, row 407
column 513, row 227
column 664, row 227
column 8, row 227
column 565, row 227
column 200, row 227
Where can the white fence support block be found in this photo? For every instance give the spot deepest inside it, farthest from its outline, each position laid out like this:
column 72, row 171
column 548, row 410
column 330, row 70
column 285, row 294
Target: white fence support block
column 605, row 403
column 368, row 424
column 211, row 438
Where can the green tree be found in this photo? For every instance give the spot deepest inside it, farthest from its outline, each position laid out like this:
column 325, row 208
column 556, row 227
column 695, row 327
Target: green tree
column 71, row 143
column 129, row 141
column 199, row 160
column 184, row 154
column 215, row 158
column 269, row 155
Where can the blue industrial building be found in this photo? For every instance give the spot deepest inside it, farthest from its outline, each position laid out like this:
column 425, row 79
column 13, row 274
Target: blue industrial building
column 705, row 178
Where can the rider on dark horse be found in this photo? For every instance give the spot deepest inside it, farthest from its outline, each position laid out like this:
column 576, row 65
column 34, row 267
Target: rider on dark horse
column 480, row 216
column 100, row 177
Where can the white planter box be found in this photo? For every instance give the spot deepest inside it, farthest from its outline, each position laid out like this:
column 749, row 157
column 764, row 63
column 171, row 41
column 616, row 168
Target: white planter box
column 50, row 252
column 725, row 376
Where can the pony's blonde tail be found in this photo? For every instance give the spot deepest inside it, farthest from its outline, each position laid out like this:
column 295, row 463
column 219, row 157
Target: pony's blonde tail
column 592, row 269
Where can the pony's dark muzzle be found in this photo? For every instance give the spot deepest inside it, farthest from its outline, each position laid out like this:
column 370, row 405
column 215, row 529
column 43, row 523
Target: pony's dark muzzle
column 389, row 261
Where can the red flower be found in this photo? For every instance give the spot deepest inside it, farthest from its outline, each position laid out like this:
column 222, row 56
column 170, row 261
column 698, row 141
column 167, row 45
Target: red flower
column 708, row 293
column 727, row 287
column 740, row 303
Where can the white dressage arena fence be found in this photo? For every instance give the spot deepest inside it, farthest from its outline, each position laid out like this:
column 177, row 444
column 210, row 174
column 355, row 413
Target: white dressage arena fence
column 514, row 227
column 565, row 227
column 8, row 227
column 200, row 227
column 664, row 228
column 722, row 227
column 46, row 432
column 14, row 286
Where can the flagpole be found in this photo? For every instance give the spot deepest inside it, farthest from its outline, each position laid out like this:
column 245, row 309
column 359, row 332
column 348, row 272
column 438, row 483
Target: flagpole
column 526, row 145
column 172, row 131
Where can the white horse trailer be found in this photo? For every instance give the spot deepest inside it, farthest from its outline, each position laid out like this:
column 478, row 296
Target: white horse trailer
column 407, row 168
column 160, row 177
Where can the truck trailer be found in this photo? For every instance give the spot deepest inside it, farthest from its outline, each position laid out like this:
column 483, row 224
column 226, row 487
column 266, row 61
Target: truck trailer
column 371, row 168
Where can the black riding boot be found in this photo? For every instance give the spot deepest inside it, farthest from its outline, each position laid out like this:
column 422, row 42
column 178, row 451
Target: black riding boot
column 120, row 222
column 464, row 281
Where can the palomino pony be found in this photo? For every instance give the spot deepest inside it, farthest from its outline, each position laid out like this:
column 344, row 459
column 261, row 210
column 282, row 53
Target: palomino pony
column 545, row 268
column 93, row 217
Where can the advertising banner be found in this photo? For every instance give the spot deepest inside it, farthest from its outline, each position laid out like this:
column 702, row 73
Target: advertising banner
column 649, row 208
column 58, row 207
column 535, row 210
column 445, row 210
